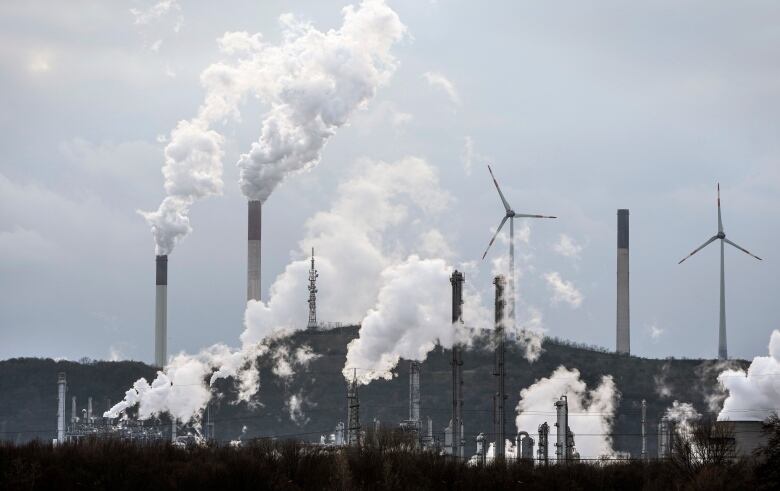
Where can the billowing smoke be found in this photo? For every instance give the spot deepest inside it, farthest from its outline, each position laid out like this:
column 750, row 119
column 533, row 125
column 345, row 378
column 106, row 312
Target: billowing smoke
column 313, row 81
column 755, row 394
column 192, row 171
column 683, row 414
column 591, row 412
column 182, row 389
column 350, row 246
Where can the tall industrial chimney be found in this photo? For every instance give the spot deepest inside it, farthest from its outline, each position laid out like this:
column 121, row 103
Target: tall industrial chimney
column 253, row 251
column 414, row 392
column 161, row 313
column 457, row 280
column 562, row 427
column 61, row 388
column 499, row 415
column 644, row 434
column 623, row 311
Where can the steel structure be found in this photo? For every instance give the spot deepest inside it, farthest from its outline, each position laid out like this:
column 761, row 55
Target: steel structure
column 161, row 311
column 722, row 349
column 510, row 215
column 254, row 234
column 312, row 324
column 456, row 280
column 353, row 415
column 623, row 325
column 499, row 398
column 542, row 452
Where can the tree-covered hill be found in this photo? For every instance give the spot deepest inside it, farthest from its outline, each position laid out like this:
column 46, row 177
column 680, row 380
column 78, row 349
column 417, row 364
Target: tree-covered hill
column 29, row 390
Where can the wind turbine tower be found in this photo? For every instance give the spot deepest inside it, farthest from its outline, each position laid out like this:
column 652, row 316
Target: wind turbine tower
column 510, row 215
column 722, row 351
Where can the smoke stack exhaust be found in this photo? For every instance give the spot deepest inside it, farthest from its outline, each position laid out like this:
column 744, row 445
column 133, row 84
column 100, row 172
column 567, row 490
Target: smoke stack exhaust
column 623, row 344
column 161, row 312
column 253, row 251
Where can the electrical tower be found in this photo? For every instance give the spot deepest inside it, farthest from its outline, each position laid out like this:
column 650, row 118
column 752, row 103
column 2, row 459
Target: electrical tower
column 312, row 294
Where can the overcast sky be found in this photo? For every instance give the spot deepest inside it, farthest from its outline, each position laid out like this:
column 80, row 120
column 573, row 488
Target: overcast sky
column 581, row 107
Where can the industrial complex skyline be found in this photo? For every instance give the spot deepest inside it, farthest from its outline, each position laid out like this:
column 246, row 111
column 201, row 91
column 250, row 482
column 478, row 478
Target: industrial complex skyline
column 570, row 127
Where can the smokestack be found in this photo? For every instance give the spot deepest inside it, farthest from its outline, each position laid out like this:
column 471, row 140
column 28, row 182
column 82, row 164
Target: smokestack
column 457, row 280
column 562, row 427
column 253, row 251
column 414, row 392
column 499, row 417
column 89, row 410
column 644, row 435
column 61, row 388
column 73, row 411
column 623, row 311
column 161, row 313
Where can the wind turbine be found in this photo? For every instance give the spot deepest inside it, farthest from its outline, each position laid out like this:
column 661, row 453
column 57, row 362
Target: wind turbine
column 510, row 215
column 722, row 351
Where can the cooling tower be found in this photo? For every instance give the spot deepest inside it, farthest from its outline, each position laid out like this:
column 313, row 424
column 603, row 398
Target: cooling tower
column 161, row 312
column 623, row 344
column 253, row 251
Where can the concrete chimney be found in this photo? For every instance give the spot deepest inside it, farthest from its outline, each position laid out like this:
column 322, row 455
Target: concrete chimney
column 89, row 410
column 562, row 427
column 623, row 344
column 457, row 280
column 499, row 401
column 161, row 313
column 253, row 251
column 61, row 389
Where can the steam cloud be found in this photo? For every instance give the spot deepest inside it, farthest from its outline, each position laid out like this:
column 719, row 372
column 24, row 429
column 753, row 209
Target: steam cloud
column 312, row 82
column 591, row 412
column 755, row 394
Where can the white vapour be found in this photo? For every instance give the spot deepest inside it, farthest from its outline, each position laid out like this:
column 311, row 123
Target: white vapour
column 591, row 412
column 313, row 81
column 683, row 414
column 182, row 388
column 349, row 245
column 755, row 394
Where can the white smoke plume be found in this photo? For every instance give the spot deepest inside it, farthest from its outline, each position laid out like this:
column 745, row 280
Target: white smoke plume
column 182, row 389
column 349, row 244
column 755, row 394
column 313, row 82
column 294, row 406
column 410, row 317
column 591, row 412
column 683, row 414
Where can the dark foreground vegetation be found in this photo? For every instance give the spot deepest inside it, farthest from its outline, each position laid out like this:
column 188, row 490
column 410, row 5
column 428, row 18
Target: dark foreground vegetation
column 382, row 463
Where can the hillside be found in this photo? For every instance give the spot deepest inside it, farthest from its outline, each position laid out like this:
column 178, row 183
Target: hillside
column 28, row 404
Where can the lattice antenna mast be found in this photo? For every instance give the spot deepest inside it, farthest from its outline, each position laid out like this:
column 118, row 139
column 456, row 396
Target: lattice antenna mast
column 313, row 274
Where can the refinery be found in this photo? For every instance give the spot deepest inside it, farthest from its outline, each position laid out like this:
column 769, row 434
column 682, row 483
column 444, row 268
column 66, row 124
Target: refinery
column 337, row 303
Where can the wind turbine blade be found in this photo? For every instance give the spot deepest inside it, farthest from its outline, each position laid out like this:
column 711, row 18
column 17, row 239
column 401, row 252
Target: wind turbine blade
column 720, row 220
column 503, row 200
column 727, row 241
column 523, row 215
column 699, row 248
column 494, row 236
